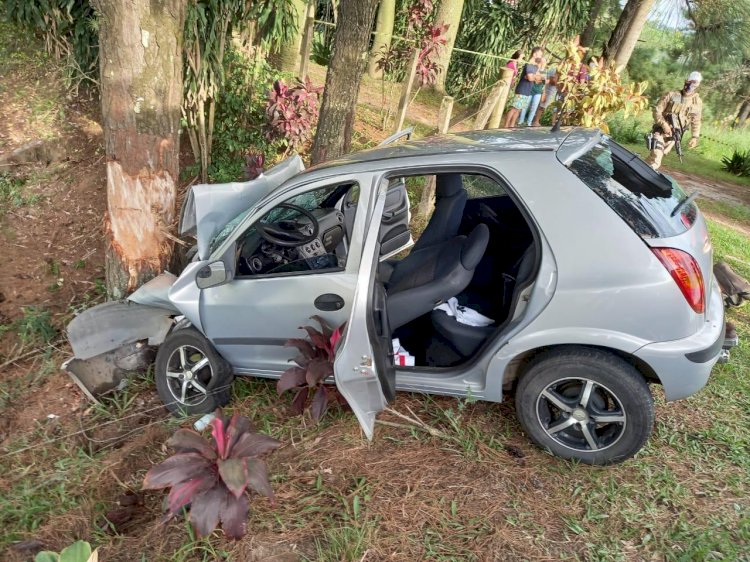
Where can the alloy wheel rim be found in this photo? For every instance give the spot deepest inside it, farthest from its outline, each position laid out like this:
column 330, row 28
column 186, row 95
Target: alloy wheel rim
column 189, row 372
column 581, row 414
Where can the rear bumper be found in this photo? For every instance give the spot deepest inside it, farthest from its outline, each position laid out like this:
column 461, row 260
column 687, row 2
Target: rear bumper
column 683, row 366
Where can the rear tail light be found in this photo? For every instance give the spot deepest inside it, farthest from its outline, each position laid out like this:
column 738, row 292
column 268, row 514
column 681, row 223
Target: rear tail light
column 685, row 271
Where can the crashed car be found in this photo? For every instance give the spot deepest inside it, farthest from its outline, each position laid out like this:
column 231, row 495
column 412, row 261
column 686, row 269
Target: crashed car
column 556, row 267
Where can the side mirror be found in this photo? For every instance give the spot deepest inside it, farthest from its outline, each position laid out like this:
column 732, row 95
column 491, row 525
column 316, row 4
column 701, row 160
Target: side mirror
column 211, row 275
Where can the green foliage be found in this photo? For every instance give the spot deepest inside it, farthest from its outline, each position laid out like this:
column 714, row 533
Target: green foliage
column 589, row 102
column 35, row 326
column 69, row 29
column 629, row 130
column 737, row 164
column 240, row 114
column 502, row 27
column 79, row 551
column 13, row 193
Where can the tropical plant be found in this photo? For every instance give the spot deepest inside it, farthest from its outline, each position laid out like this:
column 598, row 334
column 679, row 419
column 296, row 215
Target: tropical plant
column 737, row 164
column 79, row 551
column 499, row 28
column 254, row 165
column 292, row 112
column 240, row 114
column 314, row 364
column 591, row 94
column 69, row 29
column 213, row 478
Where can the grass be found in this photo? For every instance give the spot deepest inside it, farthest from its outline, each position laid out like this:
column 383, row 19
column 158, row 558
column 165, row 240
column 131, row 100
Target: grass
column 13, row 193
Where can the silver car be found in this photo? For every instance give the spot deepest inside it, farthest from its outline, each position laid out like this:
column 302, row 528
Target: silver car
column 592, row 272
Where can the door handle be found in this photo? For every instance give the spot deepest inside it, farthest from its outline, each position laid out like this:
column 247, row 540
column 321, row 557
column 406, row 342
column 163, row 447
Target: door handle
column 329, row 302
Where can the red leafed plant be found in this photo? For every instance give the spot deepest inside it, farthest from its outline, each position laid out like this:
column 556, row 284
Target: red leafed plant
column 314, row 364
column 292, row 112
column 254, row 162
column 214, row 477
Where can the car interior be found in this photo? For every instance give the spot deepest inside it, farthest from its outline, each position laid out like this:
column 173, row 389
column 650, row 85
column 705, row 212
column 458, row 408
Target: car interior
column 475, row 246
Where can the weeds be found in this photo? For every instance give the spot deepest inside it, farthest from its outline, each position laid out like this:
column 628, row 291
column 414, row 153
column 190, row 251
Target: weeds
column 35, row 326
column 13, row 193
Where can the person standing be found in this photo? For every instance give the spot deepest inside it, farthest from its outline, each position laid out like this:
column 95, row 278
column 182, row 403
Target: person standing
column 548, row 97
column 676, row 109
column 522, row 97
column 513, row 63
column 537, row 89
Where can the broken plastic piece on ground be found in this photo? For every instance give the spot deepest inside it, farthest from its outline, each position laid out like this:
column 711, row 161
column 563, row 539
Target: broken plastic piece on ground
column 203, row 422
column 105, row 372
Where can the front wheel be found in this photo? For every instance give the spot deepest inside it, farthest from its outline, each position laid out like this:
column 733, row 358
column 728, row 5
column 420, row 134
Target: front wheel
column 585, row 404
column 191, row 377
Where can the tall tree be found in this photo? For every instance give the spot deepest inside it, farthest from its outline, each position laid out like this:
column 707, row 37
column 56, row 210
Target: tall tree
column 587, row 37
column 627, row 31
column 141, row 91
column 449, row 13
column 383, row 33
column 351, row 38
column 287, row 57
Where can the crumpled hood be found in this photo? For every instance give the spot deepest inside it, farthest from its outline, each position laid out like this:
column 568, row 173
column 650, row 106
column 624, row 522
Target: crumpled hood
column 209, row 207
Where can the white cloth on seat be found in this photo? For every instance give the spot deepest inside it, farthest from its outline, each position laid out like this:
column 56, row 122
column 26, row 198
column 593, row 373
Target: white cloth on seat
column 464, row 314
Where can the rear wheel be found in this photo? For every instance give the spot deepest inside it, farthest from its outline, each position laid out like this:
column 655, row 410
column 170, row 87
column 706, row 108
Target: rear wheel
column 191, row 377
column 585, row 404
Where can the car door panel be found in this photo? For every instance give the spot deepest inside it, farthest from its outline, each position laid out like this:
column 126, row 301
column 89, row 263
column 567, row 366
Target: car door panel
column 356, row 367
column 250, row 319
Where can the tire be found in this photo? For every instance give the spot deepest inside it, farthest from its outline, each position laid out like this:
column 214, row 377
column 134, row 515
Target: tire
column 562, row 394
column 215, row 376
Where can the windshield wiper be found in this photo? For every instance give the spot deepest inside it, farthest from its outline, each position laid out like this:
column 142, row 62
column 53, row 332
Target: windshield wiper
column 684, row 203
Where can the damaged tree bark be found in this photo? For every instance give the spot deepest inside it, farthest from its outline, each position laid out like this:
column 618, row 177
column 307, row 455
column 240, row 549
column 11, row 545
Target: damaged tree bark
column 141, row 91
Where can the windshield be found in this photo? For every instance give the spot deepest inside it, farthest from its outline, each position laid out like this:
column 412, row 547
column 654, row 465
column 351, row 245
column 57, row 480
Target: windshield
column 645, row 199
column 309, row 201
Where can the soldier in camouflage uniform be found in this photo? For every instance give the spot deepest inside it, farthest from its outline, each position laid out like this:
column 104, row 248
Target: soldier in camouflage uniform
column 686, row 106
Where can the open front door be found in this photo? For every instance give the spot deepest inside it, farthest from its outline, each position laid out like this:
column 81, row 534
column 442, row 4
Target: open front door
column 363, row 368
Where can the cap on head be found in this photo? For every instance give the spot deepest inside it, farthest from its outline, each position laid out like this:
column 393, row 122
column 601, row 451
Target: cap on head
column 695, row 76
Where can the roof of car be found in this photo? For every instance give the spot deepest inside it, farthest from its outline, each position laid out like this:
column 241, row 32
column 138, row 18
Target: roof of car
column 494, row 140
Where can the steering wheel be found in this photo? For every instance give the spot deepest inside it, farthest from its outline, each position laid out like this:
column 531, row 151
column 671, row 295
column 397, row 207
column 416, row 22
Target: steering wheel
column 291, row 236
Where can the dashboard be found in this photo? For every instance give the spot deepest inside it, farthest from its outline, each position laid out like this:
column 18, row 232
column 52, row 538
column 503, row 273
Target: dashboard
column 301, row 241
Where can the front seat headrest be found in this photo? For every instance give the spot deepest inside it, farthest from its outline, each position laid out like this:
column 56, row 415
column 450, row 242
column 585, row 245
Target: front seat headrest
column 475, row 246
column 448, row 185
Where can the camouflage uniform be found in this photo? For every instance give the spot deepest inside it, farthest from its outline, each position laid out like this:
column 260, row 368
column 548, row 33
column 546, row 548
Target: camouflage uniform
column 687, row 111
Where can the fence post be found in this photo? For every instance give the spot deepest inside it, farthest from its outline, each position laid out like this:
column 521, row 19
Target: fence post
column 444, row 115
column 427, row 200
column 490, row 105
column 497, row 112
column 307, row 41
column 403, row 104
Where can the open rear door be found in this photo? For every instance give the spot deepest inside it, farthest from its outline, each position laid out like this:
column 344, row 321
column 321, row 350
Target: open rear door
column 363, row 368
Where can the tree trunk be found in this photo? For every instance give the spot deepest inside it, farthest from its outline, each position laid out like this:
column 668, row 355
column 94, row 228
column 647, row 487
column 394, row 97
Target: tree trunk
column 742, row 115
column 287, row 57
column 350, row 41
column 449, row 12
column 627, row 31
column 587, row 37
column 140, row 58
column 383, row 33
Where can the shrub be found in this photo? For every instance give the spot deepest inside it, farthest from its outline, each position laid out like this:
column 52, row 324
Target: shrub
column 240, row 114
column 737, row 164
column 213, row 477
column 313, row 365
column 292, row 112
column 590, row 99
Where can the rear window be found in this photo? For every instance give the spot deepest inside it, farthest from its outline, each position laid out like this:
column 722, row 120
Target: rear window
column 645, row 199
